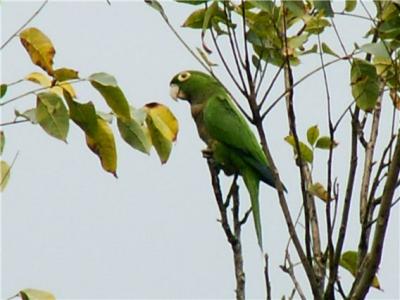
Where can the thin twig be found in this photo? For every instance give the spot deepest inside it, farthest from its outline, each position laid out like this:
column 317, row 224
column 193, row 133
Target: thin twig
column 221, row 56
column 236, row 55
column 351, row 15
column 13, row 122
column 182, row 41
column 266, row 277
column 39, row 90
column 271, row 85
column 289, row 270
column 281, row 96
column 329, row 292
column 25, row 24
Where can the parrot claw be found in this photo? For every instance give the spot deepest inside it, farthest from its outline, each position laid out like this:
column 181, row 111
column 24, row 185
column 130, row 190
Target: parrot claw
column 207, row 153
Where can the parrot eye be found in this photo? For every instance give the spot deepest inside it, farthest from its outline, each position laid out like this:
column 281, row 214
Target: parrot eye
column 183, row 76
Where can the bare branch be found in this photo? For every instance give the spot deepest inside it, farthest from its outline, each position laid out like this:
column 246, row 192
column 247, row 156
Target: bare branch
column 13, row 122
column 233, row 237
column 266, row 276
column 25, row 24
column 289, row 270
column 368, row 270
column 316, row 70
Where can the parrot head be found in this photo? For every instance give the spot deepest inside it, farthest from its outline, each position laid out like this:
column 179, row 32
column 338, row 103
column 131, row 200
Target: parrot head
column 192, row 86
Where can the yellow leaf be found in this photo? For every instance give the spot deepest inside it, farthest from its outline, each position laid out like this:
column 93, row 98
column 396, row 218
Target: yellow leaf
column 68, row 88
column 395, row 98
column 163, row 118
column 63, row 74
column 39, row 48
column 4, row 174
column 162, row 145
column 56, row 90
column 348, row 260
column 33, row 294
column 102, row 143
column 318, row 190
column 39, row 78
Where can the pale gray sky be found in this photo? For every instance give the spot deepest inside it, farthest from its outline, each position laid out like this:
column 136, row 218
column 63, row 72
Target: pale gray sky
column 70, row 228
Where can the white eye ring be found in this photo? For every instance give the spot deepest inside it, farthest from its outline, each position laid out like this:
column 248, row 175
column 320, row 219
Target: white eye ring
column 184, row 76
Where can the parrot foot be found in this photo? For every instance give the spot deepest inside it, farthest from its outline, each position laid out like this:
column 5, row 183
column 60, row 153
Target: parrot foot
column 207, row 153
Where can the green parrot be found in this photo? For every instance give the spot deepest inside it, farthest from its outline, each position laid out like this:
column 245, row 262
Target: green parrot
column 223, row 128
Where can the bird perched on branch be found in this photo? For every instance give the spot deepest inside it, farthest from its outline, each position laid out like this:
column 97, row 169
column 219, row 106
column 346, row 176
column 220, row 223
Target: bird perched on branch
column 230, row 141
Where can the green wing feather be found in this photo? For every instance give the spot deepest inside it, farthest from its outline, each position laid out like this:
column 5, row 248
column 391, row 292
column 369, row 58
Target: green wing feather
column 227, row 125
column 237, row 145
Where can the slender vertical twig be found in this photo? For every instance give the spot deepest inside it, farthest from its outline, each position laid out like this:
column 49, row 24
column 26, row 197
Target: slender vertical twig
column 233, row 237
column 371, row 263
column 266, row 277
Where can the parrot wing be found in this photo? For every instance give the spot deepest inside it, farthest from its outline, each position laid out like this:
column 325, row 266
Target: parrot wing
column 226, row 125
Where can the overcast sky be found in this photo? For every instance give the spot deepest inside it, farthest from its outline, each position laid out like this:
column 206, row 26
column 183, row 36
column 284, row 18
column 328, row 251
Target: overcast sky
column 70, row 228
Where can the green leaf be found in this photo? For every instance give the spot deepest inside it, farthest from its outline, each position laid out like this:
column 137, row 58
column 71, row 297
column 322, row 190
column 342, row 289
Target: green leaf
column 2, row 141
column 348, row 261
column 195, row 19
column 135, row 134
column 102, row 143
column 379, row 50
column 112, row 94
column 316, row 25
column 317, row 189
column 4, row 174
column 157, row 6
column 324, row 142
column 326, row 49
column 365, row 84
column 163, row 129
column 297, row 41
column 312, row 134
column 306, row 153
column 39, row 48
column 350, row 5
column 82, row 114
column 296, row 7
column 3, row 90
column 52, row 115
column 64, row 74
column 313, row 49
column 211, row 11
column 264, row 5
column 29, row 114
column 324, row 6
column 33, row 294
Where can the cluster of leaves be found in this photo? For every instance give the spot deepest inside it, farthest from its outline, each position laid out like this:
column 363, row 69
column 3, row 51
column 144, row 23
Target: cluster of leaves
column 306, row 152
column 385, row 64
column 301, row 23
column 314, row 142
column 264, row 22
column 153, row 125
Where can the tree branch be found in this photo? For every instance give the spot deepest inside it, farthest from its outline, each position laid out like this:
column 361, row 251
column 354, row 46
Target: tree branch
column 233, row 237
column 266, row 276
column 363, row 282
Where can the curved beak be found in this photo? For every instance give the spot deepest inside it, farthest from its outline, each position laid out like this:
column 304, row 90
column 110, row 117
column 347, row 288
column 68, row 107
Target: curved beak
column 175, row 92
